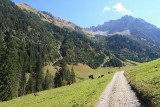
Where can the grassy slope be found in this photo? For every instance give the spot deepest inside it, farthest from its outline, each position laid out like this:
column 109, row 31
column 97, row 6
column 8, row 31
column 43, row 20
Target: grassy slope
column 85, row 93
column 145, row 79
column 82, row 71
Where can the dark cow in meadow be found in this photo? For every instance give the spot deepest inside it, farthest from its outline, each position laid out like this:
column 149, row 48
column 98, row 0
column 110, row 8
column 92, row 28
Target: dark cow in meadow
column 91, row 76
column 102, row 75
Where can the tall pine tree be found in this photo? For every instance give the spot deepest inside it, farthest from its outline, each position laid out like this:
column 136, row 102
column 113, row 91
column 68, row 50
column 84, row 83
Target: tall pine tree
column 10, row 68
column 57, row 80
column 73, row 76
column 38, row 75
column 30, row 85
column 5, row 91
column 63, row 76
column 48, row 81
column 22, row 84
column 12, row 65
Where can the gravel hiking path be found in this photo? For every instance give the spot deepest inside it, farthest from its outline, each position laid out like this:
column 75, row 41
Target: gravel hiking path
column 118, row 93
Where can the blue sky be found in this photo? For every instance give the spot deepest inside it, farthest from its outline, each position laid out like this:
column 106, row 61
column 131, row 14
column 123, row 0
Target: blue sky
column 86, row 13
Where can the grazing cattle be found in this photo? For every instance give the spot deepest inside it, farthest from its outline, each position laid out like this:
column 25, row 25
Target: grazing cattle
column 109, row 72
column 99, row 76
column 69, row 83
column 91, row 77
column 102, row 75
column 35, row 94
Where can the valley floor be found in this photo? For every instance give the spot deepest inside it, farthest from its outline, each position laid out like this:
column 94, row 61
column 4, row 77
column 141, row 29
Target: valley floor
column 118, row 94
column 81, row 94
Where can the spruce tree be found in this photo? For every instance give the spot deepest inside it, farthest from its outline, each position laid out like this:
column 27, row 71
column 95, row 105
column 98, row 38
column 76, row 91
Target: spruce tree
column 57, row 80
column 38, row 75
column 73, row 76
column 5, row 91
column 30, row 85
column 10, row 68
column 22, row 84
column 47, row 83
column 64, row 73
column 63, row 76
column 67, row 80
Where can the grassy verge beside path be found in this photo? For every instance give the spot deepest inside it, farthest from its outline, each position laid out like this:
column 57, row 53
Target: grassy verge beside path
column 145, row 79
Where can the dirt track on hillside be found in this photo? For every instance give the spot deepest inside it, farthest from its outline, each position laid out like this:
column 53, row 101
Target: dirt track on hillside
column 118, row 94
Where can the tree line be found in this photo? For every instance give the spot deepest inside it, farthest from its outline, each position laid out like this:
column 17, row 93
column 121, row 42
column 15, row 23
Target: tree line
column 13, row 81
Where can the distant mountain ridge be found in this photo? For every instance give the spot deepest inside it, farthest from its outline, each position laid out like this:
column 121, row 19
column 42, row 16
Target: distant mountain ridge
column 129, row 38
column 137, row 28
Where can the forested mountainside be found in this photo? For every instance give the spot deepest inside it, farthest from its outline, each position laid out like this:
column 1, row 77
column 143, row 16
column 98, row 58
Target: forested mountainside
column 125, row 47
column 129, row 38
column 28, row 43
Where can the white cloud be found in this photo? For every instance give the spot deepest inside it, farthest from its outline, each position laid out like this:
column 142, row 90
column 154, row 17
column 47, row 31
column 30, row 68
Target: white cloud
column 106, row 9
column 120, row 8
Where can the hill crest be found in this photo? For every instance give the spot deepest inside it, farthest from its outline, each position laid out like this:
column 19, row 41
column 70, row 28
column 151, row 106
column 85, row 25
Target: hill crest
column 46, row 16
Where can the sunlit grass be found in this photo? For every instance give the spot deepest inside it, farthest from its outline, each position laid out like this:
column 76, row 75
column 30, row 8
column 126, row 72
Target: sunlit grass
column 82, row 94
column 82, row 71
column 50, row 68
column 145, row 79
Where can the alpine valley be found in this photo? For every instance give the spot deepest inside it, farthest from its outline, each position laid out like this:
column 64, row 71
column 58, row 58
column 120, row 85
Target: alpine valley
column 31, row 40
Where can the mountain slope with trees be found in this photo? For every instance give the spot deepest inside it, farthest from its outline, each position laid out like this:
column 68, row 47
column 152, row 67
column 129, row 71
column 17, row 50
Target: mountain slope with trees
column 46, row 16
column 29, row 43
column 129, row 38
column 124, row 47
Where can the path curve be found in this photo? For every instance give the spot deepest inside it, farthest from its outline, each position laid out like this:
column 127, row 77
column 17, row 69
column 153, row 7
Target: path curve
column 118, row 93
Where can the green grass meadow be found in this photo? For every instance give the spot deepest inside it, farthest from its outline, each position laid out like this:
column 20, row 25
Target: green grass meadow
column 145, row 79
column 82, row 94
